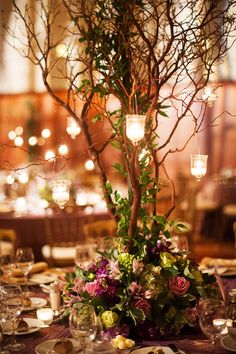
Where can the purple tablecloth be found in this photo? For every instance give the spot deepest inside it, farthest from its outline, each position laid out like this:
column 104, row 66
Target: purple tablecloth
column 192, row 342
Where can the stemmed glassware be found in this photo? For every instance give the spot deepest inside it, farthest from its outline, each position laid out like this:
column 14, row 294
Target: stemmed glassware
column 24, row 261
column 7, row 264
column 83, row 323
column 12, row 299
column 3, row 317
column 212, row 319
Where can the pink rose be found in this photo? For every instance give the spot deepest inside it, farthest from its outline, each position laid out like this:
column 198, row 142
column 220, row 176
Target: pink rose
column 93, row 288
column 179, row 285
column 191, row 315
column 142, row 304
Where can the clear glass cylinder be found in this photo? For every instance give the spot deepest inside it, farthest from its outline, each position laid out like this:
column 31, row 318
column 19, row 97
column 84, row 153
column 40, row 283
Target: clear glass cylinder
column 61, row 192
column 198, row 165
column 135, row 127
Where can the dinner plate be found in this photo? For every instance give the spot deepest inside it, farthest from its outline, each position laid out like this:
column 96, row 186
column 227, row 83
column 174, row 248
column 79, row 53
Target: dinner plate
column 222, row 271
column 45, row 347
column 155, row 350
column 36, row 303
column 228, row 343
column 43, row 278
column 33, row 323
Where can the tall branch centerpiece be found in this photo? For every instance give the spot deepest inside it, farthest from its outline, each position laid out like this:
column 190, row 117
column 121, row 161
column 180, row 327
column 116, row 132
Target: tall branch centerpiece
column 120, row 60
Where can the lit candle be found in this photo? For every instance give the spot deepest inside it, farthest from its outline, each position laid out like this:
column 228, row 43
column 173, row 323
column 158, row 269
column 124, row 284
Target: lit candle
column 60, row 192
column 45, row 315
column 135, row 127
column 218, row 322
column 198, row 165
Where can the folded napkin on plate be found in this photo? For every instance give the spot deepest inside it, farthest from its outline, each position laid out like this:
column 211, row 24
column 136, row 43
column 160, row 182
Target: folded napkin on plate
column 208, row 262
column 36, row 268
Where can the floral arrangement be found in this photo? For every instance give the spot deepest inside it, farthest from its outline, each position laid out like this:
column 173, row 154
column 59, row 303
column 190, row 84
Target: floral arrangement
column 151, row 291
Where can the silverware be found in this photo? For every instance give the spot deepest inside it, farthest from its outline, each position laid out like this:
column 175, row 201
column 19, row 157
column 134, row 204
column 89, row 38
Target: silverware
column 173, row 347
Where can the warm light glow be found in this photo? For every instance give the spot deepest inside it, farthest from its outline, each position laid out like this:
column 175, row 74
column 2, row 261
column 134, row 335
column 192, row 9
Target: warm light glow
column 32, row 140
column 45, row 315
column 49, row 155
column 73, row 129
column 135, row 126
column 41, row 141
column 198, row 165
column 61, row 192
column 18, row 141
column 89, row 165
column 23, row 178
column 12, row 135
column 19, row 130
column 62, row 50
column 46, row 133
column 63, row 149
column 10, row 179
column 209, row 95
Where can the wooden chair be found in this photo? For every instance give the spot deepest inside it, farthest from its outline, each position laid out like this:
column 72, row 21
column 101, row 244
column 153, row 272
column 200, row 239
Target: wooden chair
column 7, row 241
column 100, row 232
column 63, row 232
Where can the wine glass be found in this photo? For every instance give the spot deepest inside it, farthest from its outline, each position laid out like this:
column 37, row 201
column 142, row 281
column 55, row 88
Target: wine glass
column 83, row 323
column 7, row 264
column 24, row 261
column 212, row 319
column 12, row 298
column 180, row 244
column 3, row 317
column 61, row 192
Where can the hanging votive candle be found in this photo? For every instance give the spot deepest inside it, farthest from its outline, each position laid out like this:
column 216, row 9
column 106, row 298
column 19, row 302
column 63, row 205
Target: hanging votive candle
column 135, row 127
column 73, row 129
column 198, row 165
column 61, row 192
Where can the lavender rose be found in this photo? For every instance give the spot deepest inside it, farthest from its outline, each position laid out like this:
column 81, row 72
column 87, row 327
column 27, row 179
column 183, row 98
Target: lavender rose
column 179, row 285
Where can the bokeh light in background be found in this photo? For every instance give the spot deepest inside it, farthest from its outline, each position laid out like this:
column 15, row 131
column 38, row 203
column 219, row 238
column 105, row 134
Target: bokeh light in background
column 63, row 149
column 18, row 141
column 46, row 133
column 33, row 140
column 89, row 165
column 49, row 155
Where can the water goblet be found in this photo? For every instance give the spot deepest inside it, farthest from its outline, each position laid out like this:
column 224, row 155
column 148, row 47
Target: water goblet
column 24, row 261
column 12, row 299
column 83, row 323
column 3, row 317
column 180, row 244
column 7, row 264
column 212, row 319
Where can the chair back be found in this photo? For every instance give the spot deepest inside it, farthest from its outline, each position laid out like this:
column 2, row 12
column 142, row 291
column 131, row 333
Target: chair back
column 99, row 232
column 63, row 232
column 7, row 241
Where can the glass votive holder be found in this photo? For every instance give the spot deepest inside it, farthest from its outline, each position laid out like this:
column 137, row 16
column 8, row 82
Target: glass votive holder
column 61, row 192
column 135, row 127
column 45, row 315
column 198, row 165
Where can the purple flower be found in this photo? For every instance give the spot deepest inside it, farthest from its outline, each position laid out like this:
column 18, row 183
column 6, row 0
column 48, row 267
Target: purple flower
column 179, row 285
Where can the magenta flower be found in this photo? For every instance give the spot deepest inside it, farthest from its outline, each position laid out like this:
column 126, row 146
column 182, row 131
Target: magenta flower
column 179, row 285
column 93, row 288
column 143, row 304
